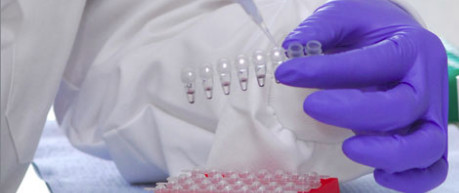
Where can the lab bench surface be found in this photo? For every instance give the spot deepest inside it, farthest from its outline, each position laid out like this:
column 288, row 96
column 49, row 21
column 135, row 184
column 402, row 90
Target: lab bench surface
column 66, row 169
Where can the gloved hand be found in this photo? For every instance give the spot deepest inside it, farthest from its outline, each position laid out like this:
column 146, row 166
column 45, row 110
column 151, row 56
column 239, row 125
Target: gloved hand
column 383, row 76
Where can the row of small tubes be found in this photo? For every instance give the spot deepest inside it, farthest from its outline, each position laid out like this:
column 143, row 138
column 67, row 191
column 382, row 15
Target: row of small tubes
column 242, row 64
column 263, row 181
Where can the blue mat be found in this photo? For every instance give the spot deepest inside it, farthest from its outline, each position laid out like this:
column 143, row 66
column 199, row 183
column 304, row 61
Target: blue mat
column 67, row 170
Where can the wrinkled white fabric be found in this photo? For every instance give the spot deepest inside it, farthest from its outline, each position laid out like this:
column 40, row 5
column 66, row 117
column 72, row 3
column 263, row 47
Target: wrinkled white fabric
column 122, row 98
column 36, row 39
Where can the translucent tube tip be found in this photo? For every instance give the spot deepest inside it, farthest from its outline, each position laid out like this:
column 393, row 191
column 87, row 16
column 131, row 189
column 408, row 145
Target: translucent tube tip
column 190, row 97
column 226, row 89
column 188, row 77
column 224, row 71
column 261, row 81
column 206, row 74
column 209, row 94
column 242, row 67
column 260, row 63
column 243, row 84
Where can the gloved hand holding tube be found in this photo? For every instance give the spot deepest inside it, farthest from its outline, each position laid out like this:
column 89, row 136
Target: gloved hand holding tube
column 385, row 78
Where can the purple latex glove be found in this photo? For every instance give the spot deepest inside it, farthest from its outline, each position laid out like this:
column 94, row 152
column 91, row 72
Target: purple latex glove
column 383, row 76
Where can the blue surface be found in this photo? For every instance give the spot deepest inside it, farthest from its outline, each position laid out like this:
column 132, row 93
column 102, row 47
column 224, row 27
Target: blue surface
column 67, row 170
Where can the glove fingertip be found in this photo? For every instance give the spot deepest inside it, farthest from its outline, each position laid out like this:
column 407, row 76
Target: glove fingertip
column 321, row 106
column 312, row 105
column 351, row 149
column 283, row 72
column 291, row 73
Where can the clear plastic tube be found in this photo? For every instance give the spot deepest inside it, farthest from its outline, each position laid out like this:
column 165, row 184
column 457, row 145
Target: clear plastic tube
column 242, row 68
column 207, row 77
column 224, row 72
column 260, row 60
column 313, row 47
column 277, row 56
column 260, row 63
column 295, row 50
column 188, row 77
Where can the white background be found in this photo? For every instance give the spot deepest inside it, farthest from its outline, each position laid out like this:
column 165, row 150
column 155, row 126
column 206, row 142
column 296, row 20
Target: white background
column 441, row 17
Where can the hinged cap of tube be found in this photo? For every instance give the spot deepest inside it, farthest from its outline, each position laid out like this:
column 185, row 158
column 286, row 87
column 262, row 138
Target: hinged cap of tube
column 188, row 75
column 277, row 55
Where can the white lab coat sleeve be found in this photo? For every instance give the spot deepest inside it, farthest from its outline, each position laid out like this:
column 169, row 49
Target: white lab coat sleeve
column 36, row 41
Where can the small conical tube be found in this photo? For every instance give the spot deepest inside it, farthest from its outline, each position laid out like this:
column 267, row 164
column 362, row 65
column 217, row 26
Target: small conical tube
column 277, row 57
column 224, row 72
column 260, row 64
column 207, row 77
column 188, row 77
column 242, row 69
column 295, row 50
column 313, row 47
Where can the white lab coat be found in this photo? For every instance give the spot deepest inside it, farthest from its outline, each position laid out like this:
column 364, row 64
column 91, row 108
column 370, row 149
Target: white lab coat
column 120, row 97
column 36, row 40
